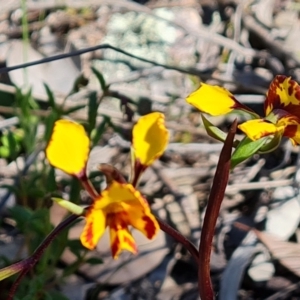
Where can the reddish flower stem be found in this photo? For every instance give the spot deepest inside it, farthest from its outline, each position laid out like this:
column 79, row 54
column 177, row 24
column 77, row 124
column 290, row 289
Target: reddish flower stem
column 212, row 211
column 87, row 185
column 34, row 258
column 111, row 174
column 179, row 238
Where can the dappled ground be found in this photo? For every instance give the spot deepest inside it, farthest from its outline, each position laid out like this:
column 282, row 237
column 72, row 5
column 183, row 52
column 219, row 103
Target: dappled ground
column 160, row 52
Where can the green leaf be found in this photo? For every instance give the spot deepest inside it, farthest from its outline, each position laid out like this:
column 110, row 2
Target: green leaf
column 75, row 189
column 215, row 132
column 94, row 261
column 11, row 188
column 22, row 216
column 57, row 295
column 49, row 124
column 47, row 296
column 76, row 247
column 80, row 81
column 72, row 268
column 51, row 182
column 40, row 221
column 58, row 246
column 272, row 144
column 100, row 78
column 4, row 152
column 50, row 95
column 73, row 109
column 97, row 132
column 12, row 144
column 245, row 149
column 92, row 111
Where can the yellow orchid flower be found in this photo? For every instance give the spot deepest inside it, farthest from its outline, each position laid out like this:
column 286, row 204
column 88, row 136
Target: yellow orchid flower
column 281, row 107
column 120, row 206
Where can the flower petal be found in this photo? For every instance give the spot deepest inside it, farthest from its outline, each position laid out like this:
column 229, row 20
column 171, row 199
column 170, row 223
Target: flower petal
column 68, row 148
column 125, row 206
column 283, row 93
column 94, row 227
column 150, row 138
column 141, row 218
column 116, row 193
column 292, row 128
column 215, row 100
column 258, row 128
column 120, row 237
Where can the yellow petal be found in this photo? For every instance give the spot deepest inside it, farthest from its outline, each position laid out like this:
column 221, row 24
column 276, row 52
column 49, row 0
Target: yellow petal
column 120, row 237
column 150, row 138
column 214, row 100
column 283, row 93
column 258, row 128
column 94, row 228
column 141, row 218
column 116, row 193
column 68, row 148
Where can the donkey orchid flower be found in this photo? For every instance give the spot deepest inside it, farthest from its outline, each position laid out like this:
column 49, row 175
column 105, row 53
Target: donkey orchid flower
column 281, row 107
column 120, row 206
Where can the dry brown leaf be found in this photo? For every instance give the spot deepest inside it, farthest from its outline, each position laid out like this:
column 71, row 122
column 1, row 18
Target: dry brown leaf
column 287, row 253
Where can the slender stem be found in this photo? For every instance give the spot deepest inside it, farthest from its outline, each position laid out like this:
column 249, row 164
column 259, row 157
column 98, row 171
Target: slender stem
column 179, row 238
column 25, row 37
column 87, row 185
column 212, row 211
column 111, row 174
column 34, row 258
column 95, row 48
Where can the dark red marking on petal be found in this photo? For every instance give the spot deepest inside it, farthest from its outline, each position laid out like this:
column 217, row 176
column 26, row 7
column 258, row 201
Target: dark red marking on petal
column 273, row 99
column 293, row 109
column 115, row 245
column 238, row 105
column 149, row 227
column 117, row 220
column 280, row 78
column 89, row 234
column 137, row 172
column 297, row 93
column 291, row 87
column 290, row 131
